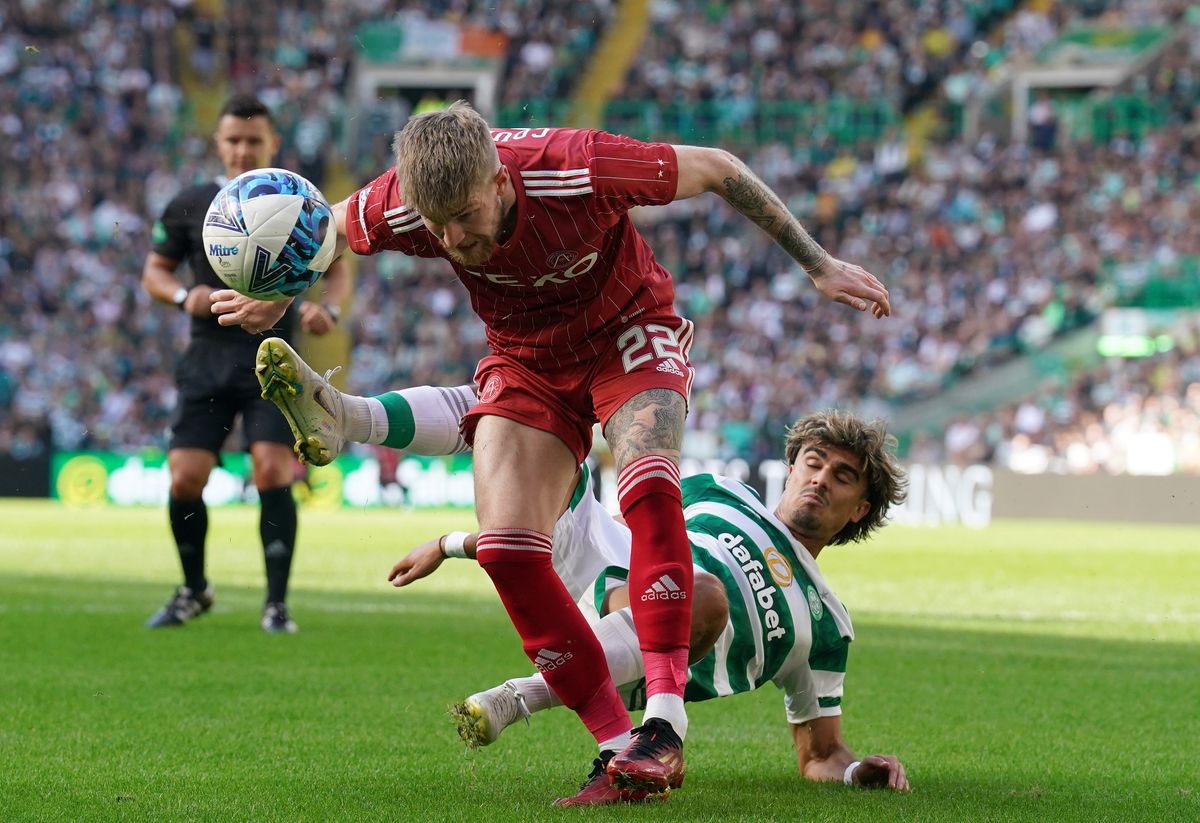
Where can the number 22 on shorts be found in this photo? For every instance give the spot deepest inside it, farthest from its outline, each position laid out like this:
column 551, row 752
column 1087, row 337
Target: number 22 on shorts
column 640, row 344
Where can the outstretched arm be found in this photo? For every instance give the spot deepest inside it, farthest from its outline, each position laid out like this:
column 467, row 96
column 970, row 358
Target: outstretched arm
column 256, row 316
column 715, row 170
column 339, row 220
column 425, row 559
column 823, row 756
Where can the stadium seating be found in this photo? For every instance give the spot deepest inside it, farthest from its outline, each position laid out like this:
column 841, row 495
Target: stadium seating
column 92, row 135
column 1127, row 416
column 989, row 248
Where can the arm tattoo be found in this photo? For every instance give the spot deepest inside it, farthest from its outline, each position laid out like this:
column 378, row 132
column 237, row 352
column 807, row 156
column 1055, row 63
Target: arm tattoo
column 747, row 195
column 800, row 245
column 753, row 198
column 650, row 422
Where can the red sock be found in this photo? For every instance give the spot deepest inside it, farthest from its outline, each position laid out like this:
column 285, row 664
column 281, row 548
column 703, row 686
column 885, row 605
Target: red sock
column 555, row 635
column 660, row 573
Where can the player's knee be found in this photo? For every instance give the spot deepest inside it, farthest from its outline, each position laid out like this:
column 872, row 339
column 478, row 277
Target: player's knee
column 189, row 469
column 187, row 487
column 275, row 477
column 187, row 482
column 710, row 614
column 629, row 437
column 273, row 466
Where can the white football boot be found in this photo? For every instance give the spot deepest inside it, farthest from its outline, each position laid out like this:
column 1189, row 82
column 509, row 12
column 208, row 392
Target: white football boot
column 482, row 716
column 313, row 407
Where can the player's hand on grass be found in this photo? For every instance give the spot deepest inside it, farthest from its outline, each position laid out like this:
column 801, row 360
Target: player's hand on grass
column 420, row 562
column 881, row 771
column 254, row 316
column 853, row 285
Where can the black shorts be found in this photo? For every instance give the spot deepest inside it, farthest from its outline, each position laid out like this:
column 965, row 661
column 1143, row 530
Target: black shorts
column 216, row 383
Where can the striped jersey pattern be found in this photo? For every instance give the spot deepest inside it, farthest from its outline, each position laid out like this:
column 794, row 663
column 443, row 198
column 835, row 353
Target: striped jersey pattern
column 403, row 219
column 575, row 271
column 785, row 625
column 557, row 183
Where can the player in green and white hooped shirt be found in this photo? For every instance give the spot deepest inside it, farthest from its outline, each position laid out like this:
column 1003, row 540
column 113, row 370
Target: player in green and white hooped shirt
column 763, row 613
column 836, row 465
column 842, row 479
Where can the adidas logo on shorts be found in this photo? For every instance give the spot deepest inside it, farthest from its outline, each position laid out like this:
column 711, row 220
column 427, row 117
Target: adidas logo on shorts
column 669, row 367
column 547, row 660
column 664, row 588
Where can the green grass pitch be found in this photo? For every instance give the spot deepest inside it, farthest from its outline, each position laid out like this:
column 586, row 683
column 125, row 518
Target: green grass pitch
column 1031, row 671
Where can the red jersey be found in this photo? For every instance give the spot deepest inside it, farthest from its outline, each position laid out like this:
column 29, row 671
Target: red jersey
column 574, row 270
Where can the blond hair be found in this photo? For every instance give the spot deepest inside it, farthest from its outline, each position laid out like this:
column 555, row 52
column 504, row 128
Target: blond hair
column 887, row 484
column 442, row 158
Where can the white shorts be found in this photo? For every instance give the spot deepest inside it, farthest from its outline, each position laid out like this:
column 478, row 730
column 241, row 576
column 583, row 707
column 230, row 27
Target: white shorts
column 587, row 540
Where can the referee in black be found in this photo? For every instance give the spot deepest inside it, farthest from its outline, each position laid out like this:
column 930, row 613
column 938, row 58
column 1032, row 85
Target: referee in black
column 216, row 379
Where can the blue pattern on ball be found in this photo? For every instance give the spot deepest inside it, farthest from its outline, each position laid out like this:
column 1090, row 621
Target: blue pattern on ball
column 289, row 274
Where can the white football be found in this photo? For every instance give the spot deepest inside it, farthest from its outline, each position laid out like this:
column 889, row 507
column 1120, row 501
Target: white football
column 269, row 234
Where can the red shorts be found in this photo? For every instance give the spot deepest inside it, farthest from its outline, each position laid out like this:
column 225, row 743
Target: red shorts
column 651, row 353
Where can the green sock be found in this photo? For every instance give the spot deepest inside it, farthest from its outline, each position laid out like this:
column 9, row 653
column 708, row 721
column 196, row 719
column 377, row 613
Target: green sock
column 401, row 426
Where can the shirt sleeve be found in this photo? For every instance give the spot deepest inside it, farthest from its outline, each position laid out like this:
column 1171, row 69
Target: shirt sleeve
column 628, row 172
column 829, row 676
column 800, row 695
column 170, row 236
column 829, row 692
column 815, row 688
column 378, row 220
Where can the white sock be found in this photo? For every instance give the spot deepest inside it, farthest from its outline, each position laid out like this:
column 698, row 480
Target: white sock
column 620, row 642
column 436, row 413
column 616, row 744
column 616, row 634
column 361, row 416
column 422, row 420
column 538, row 696
column 668, row 707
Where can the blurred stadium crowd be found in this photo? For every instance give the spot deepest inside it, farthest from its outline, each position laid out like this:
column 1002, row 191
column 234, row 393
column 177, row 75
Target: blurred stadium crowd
column 991, row 248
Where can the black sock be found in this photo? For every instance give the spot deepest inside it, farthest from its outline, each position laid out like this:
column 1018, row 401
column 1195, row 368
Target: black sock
column 189, row 525
column 277, row 525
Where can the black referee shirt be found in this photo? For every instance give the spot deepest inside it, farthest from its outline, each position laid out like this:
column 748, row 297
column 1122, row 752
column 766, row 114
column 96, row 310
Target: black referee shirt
column 178, row 235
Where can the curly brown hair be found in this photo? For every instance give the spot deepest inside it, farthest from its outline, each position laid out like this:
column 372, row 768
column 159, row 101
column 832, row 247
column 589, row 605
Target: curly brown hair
column 887, row 482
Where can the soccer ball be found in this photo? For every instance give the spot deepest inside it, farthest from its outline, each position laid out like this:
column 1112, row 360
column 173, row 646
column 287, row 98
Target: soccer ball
column 269, row 234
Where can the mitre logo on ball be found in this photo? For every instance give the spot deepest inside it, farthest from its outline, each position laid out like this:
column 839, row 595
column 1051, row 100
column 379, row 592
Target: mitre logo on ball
column 269, row 234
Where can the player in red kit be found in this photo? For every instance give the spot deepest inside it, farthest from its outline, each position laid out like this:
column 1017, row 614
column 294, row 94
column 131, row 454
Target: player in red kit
column 582, row 328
